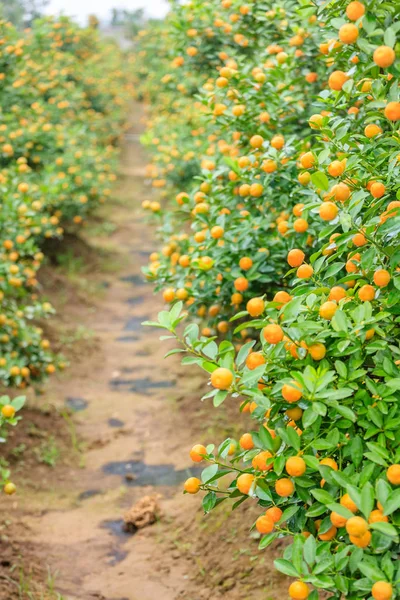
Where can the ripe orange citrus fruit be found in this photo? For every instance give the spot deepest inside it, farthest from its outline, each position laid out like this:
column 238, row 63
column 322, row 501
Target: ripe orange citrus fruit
column 222, row 378
column 273, row 334
column 328, row 535
column 348, row 33
column 246, row 441
column 328, row 309
column 274, row 513
column 317, row 351
column 377, row 516
column 382, row 590
column 393, row 474
column 241, row 284
column 372, row 130
column 245, row 263
column 336, row 80
column 261, row 461
column 328, row 211
column 329, row 462
column 355, row 10
column 292, row 392
column 299, row 590
column 282, row 297
column 384, row 56
column 255, row 307
column 337, row 520
column 361, row 542
column 254, row 360
column 284, row 487
column 337, row 293
column 295, row 257
column 356, row 526
column 366, row 293
column 295, row 466
column 198, row 452
column 244, row 482
column 192, row 485
column 264, row 524
column 392, row 111
column 381, row 277
column 304, row 272
column 377, row 189
column 8, row 411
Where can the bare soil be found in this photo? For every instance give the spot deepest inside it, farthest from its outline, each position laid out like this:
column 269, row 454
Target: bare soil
column 112, row 433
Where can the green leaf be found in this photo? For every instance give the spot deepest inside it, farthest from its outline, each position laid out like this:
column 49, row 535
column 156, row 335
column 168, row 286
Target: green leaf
column 244, row 351
column 394, row 384
column 208, row 473
column 346, row 412
column 19, row 402
column 367, row 500
column 356, row 450
column 354, row 494
column 293, row 437
column 285, row 567
column 340, row 510
column 288, row 514
column 392, row 503
column 174, row 351
column 266, row 439
column 309, row 550
column 389, row 37
column 209, row 501
column 309, row 417
column 175, row 311
column 371, row 571
column 297, row 552
column 311, row 461
column 320, row 180
column 339, row 321
column 250, row 378
column 383, row 491
column 267, row 540
column 386, row 529
column 220, row 397
column 322, row 496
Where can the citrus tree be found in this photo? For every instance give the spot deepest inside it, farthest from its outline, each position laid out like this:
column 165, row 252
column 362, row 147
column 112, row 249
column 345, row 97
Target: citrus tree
column 64, row 93
column 311, row 288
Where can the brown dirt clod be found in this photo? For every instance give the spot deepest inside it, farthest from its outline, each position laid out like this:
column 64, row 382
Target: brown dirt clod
column 143, row 513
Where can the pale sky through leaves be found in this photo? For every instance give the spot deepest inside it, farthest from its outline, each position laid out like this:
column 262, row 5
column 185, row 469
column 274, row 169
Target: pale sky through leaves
column 80, row 9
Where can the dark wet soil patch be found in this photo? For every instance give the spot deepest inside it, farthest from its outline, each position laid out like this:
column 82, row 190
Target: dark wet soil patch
column 134, row 279
column 128, row 338
column 76, row 404
column 137, row 473
column 116, row 527
column 89, row 494
column 135, row 323
column 115, row 423
column 117, row 556
column 144, row 253
column 140, row 385
column 135, row 300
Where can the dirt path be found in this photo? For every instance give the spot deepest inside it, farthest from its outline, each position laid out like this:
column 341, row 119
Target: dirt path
column 133, row 432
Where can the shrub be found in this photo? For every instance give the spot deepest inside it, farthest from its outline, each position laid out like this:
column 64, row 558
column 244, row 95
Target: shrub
column 63, row 99
column 60, row 117
column 304, row 267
